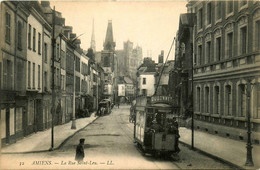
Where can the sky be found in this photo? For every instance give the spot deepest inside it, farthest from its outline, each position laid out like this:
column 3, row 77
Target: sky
column 151, row 25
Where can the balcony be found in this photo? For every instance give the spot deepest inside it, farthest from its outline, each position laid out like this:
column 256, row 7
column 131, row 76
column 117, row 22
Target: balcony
column 228, row 65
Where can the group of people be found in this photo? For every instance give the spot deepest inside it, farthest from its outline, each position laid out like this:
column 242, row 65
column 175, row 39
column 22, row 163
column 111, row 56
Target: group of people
column 171, row 127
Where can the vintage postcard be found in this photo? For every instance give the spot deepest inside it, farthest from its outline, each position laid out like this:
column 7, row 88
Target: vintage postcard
column 91, row 84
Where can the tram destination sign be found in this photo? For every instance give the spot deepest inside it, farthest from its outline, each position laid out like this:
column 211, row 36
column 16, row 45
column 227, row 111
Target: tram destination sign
column 161, row 99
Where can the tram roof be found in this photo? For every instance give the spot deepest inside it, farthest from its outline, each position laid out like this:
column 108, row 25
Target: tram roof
column 161, row 105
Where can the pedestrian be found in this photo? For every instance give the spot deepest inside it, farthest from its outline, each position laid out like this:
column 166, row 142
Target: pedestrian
column 118, row 105
column 156, row 127
column 176, row 131
column 80, row 151
column 58, row 112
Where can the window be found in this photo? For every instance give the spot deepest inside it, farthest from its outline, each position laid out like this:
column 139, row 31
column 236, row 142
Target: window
column 207, row 99
column 77, row 64
column 45, row 80
column 39, row 76
column 200, row 19
column 31, row 106
column 258, row 101
column 19, row 35
column 200, row 54
column 198, row 99
column 144, row 80
column 218, row 10
column 242, row 100
column 34, row 39
column 243, row 39
column 8, row 74
column 144, row 92
column 19, row 119
column 229, row 6
column 106, row 61
column 218, row 49
column 33, row 75
column 7, row 28
column 228, row 100
column 229, row 45
column 29, row 36
column 62, row 60
column 45, row 52
column 258, row 35
column 208, row 51
column 217, row 100
column 58, row 51
column 209, row 13
column 77, row 84
column 62, row 82
column 39, row 43
column 29, row 74
column 58, row 77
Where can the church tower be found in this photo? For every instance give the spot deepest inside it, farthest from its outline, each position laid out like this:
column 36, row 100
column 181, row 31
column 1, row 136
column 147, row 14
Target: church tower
column 108, row 62
column 109, row 43
column 93, row 42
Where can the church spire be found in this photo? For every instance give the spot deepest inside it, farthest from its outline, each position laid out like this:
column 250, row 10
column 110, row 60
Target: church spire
column 93, row 42
column 109, row 43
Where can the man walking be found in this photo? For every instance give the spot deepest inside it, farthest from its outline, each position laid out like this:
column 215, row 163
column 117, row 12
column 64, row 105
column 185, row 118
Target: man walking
column 80, row 151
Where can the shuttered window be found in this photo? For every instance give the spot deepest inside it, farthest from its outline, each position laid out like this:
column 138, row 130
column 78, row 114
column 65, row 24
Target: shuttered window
column 29, row 36
column 39, row 43
column 19, row 35
column 7, row 28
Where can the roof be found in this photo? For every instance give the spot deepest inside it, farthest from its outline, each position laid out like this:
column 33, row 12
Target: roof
column 161, row 105
column 187, row 19
column 128, row 80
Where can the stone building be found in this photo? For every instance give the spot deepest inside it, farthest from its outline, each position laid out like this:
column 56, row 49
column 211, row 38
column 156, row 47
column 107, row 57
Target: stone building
column 226, row 67
column 145, row 77
column 35, row 32
column 180, row 78
column 13, row 56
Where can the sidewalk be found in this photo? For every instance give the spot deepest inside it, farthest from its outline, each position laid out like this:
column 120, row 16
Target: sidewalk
column 41, row 141
column 230, row 150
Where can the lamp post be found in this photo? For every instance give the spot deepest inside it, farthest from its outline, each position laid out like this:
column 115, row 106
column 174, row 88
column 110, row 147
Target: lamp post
column 73, row 124
column 249, row 159
column 53, row 86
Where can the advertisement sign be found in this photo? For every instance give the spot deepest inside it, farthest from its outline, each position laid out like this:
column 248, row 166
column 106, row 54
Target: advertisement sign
column 108, row 89
column 121, row 90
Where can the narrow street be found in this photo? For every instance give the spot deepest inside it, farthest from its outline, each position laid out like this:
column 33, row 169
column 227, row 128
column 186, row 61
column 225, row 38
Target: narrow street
column 109, row 144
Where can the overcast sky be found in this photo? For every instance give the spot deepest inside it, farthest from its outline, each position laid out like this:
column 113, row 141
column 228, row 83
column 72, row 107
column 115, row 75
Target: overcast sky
column 151, row 25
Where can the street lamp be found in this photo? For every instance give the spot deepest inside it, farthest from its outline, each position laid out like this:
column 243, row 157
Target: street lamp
column 73, row 124
column 249, row 159
column 53, row 86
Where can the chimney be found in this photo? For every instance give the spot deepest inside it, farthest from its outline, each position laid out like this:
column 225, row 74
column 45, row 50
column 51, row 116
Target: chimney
column 160, row 59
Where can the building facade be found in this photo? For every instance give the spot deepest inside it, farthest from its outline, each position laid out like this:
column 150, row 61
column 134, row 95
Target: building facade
column 226, row 67
column 145, row 77
column 13, row 56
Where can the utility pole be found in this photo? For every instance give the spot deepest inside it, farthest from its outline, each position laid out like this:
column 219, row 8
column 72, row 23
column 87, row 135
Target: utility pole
column 73, row 125
column 249, row 159
column 192, row 84
column 97, row 87
column 158, row 82
column 53, row 75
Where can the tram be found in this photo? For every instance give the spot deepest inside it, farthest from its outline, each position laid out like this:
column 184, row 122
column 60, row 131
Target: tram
column 104, row 107
column 156, row 130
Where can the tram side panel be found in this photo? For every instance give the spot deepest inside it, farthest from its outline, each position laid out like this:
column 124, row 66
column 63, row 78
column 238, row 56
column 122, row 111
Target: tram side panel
column 140, row 126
